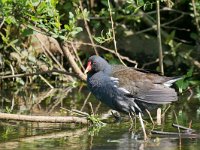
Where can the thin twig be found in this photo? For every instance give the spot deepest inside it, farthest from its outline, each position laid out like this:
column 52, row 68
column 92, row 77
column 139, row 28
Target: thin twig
column 144, row 14
column 12, row 70
column 159, row 38
column 59, row 100
column 72, row 62
column 163, row 114
column 195, row 15
column 97, row 108
column 195, row 62
column 91, row 108
column 182, row 127
column 85, row 101
column 2, row 22
column 109, row 50
column 113, row 32
column 190, row 124
column 172, row 21
column 191, row 93
column 150, row 63
column 80, row 113
column 87, row 27
column 45, row 49
column 39, row 73
column 162, row 25
column 148, row 112
column 76, row 54
column 49, row 84
column 179, row 131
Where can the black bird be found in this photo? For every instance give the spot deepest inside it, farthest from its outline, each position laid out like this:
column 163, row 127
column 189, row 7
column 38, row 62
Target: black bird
column 126, row 89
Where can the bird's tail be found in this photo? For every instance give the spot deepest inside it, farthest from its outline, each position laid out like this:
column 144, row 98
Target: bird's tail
column 172, row 80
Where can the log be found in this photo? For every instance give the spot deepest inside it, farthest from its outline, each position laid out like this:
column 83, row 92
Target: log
column 47, row 119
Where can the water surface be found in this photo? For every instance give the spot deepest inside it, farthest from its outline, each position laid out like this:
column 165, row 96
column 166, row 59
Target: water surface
column 26, row 135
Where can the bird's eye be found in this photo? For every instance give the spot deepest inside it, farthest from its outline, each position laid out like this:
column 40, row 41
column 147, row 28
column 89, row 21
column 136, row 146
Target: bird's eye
column 94, row 62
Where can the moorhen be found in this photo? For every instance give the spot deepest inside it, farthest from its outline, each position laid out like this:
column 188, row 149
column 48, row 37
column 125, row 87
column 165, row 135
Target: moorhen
column 126, row 89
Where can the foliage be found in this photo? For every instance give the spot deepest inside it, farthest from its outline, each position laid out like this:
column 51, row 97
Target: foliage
column 23, row 18
column 96, row 124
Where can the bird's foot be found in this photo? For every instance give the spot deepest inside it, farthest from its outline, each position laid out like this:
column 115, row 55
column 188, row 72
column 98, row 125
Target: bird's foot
column 117, row 116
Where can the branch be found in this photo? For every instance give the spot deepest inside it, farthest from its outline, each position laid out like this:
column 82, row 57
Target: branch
column 72, row 62
column 113, row 32
column 186, row 135
column 87, row 27
column 49, row 119
column 159, row 38
column 108, row 50
column 195, row 62
column 2, row 22
column 45, row 49
column 76, row 54
column 195, row 15
column 150, row 63
column 39, row 73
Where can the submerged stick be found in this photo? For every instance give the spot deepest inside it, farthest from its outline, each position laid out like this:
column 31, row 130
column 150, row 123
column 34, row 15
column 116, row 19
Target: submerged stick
column 175, row 133
column 182, row 127
column 47, row 119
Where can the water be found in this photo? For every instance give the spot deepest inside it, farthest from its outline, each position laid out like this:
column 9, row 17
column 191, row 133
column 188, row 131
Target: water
column 27, row 135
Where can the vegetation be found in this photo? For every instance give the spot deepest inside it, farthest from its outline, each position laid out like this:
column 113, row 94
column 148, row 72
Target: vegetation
column 46, row 43
column 50, row 41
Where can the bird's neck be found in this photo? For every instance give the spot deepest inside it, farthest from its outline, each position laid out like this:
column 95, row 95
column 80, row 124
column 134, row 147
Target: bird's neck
column 106, row 71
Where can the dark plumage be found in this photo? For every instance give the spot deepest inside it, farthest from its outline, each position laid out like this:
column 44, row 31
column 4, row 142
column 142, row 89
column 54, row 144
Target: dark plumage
column 125, row 89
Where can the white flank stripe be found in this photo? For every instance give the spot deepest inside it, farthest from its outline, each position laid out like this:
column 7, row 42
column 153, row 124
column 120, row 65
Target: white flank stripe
column 124, row 90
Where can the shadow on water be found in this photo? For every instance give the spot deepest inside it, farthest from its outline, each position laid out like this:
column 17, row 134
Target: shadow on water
column 26, row 135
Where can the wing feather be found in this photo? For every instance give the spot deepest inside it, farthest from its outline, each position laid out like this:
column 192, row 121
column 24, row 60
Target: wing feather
column 145, row 87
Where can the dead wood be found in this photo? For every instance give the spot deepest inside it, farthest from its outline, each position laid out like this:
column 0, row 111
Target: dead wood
column 47, row 119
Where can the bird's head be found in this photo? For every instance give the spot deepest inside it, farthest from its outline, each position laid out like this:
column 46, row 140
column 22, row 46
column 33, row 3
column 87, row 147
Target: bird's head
column 96, row 64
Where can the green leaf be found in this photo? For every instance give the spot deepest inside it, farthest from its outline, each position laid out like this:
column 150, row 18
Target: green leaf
column 104, row 2
column 32, row 58
column 71, row 15
column 54, row 2
column 67, row 27
column 27, row 32
column 20, row 81
column 190, row 72
column 182, row 85
column 24, row 68
column 10, row 20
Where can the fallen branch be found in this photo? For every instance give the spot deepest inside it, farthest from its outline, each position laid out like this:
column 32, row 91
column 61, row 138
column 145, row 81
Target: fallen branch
column 47, row 119
column 175, row 134
column 183, row 128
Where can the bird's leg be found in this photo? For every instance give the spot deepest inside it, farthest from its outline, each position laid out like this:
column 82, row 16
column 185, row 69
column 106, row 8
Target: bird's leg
column 143, row 127
column 132, row 117
column 116, row 116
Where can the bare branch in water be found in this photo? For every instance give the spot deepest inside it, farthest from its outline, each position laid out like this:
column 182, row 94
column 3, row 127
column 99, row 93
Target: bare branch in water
column 49, row 119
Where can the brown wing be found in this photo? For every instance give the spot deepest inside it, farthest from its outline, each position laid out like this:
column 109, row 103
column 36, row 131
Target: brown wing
column 147, row 87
